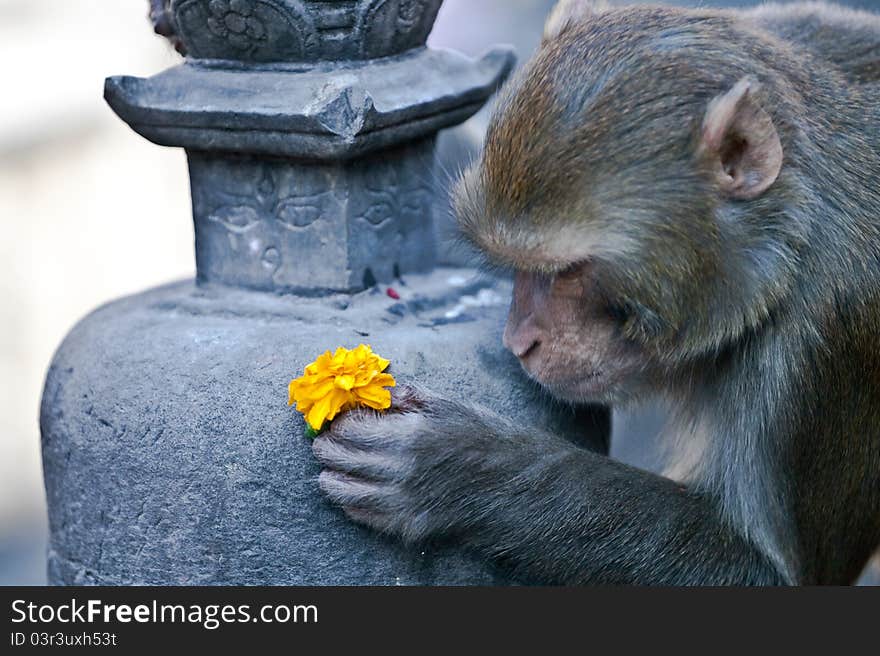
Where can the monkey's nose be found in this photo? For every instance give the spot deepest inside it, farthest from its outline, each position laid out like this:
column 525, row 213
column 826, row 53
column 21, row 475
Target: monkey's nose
column 521, row 342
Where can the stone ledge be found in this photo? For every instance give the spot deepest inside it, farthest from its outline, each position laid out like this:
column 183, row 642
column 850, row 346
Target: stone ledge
column 322, row 111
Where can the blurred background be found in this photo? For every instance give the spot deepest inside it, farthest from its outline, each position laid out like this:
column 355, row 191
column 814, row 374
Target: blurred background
column 90, row 211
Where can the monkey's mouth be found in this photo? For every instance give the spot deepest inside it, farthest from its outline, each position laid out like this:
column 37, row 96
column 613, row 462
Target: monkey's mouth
column 587, row 386
column 590, row 388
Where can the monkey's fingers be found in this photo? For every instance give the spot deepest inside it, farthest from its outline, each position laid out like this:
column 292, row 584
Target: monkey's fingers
column 377, row 521
column 371, row 431
column 409, row 398
column 346, row 459
column 351, row 492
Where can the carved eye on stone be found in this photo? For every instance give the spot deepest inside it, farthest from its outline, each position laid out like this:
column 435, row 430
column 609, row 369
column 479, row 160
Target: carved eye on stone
column 238, row 219
column 298, row 216
column 379, row 213
column 413, row 202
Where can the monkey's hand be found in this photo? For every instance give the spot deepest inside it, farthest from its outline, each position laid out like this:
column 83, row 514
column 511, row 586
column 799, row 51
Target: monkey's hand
column 427, row 467
column 553, row 512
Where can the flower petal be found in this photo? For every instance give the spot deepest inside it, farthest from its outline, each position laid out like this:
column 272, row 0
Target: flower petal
column 340, row 400
column 374, row 397
column 318, row 414
column 345, row 382
column 385, row 380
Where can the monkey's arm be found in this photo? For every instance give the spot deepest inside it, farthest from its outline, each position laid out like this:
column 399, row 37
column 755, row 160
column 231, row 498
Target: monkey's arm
column 848, row 38
column 551, row 511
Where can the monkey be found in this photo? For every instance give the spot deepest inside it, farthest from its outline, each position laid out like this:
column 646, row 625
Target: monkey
column 847, row 38
column 688, row 200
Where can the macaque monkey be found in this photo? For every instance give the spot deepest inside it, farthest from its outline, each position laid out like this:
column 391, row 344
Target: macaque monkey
column 690, row 203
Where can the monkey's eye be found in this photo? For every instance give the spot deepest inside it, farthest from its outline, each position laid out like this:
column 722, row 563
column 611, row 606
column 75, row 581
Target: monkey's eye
column 617, row 313
column 573, row 272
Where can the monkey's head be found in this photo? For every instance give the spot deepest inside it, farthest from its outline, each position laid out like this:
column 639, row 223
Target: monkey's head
column 634, row 177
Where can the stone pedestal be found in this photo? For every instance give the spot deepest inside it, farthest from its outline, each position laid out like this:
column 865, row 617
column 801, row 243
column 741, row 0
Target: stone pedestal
column 169, row 452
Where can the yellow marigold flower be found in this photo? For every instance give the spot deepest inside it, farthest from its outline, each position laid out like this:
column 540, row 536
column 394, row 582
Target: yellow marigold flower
column 341, row 381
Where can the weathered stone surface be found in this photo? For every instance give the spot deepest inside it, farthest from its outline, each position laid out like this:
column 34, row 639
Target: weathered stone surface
column 171, row 456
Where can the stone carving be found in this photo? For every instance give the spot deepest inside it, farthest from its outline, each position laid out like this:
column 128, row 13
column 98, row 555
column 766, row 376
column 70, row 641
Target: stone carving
column 238, row 219
column 397, row 26
column 249, row 30
column 292, row 212
column 301, row 30
column 267, row 213
column 237, row 22
column 299, row 226
column 409, row 13
column 391, row 194
column 271, row 259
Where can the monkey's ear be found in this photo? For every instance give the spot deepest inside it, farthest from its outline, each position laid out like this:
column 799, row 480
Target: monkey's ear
column 741, row 142
column 567, row 12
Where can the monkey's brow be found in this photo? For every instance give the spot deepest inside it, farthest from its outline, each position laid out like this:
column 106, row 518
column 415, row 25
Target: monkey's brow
column 492, row 263
column 479, row 259
column 487, row 266
column 501, row 268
